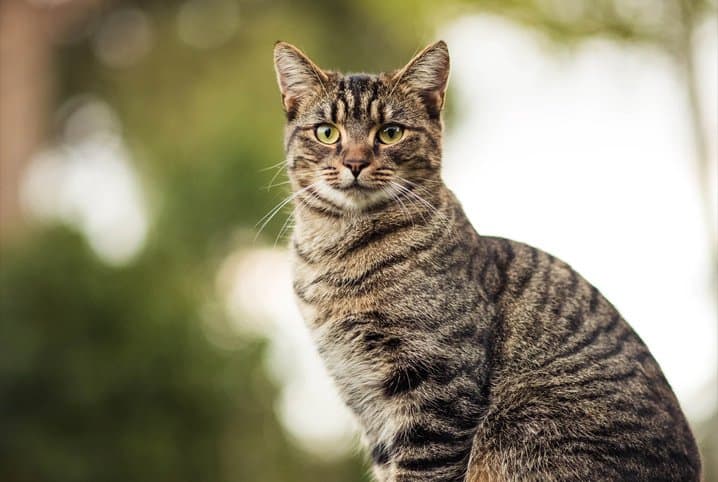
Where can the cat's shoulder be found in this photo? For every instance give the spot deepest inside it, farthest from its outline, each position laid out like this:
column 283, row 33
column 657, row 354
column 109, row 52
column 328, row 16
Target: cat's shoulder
column 518, row 256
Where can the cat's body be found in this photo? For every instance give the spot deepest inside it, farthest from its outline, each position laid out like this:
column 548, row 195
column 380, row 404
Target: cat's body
column 463, row 357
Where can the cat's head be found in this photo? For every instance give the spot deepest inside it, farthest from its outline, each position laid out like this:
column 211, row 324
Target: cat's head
column 358, row 141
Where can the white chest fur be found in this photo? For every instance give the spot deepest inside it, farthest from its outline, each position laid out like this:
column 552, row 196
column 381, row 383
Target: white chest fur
column 360, row 377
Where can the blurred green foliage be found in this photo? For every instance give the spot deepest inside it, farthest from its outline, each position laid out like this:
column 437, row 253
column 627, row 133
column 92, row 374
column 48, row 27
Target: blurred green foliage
column 107, row 373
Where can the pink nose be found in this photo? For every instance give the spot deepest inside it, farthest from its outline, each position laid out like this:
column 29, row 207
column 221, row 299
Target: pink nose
column 355, row 165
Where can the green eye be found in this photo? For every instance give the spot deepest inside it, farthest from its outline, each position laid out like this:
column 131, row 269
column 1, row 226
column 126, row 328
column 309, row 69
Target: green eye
column 327, row 134
column 391, row 134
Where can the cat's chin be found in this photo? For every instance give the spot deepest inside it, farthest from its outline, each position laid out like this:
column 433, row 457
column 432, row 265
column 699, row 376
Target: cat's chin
column 354, row 198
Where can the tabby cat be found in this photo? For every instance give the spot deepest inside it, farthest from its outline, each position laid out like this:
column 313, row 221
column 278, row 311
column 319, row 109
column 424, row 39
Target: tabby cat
column 463, row 357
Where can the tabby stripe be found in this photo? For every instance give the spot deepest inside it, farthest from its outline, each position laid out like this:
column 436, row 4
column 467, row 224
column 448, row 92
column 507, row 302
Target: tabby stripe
column 611, row 378
column 591, row 361
column 608, row 446
column 494, row 346
column 333, row 116
column 386, row 263
column 622, row 453
column 644, row 411
column 489, row 260
column 301, row 254
column 544, row 297
column 450, row 411
column 618, row 426
column 300, row 292
column 463, row 332
column 508, row 253
column 320, row 210
column 406, row 378
column 418, row 435
column 450, row 261
column 292, row 112
column 566, row 294
column 413, row 161
column 305, row 159
column 378, row 207
column 358, row 85
column 579, row 345
column 602, row 394
column 589, row 339
column 347, row 325
column 432, row 108
column 380, row 454
column 376, row 235
column 431, row 463
column 523, row 280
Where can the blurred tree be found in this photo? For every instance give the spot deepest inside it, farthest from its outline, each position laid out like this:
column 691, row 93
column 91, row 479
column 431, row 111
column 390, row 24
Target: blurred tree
column 106, row 378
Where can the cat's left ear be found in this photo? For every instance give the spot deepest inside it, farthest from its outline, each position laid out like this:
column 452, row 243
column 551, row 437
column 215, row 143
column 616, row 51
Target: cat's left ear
column 297, row 75
column 428, row 74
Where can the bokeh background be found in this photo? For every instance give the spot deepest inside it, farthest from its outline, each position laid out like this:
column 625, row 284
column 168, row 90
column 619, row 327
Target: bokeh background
column 147, row 329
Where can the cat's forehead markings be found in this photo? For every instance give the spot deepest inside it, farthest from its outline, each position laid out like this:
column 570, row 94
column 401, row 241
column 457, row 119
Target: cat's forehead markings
column 357, row 96
column 359, row 84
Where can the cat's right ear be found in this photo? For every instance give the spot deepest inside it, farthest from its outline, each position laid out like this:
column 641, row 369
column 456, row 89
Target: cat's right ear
column 297, row 76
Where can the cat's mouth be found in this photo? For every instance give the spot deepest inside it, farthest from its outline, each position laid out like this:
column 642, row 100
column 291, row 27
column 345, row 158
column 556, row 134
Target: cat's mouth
column 356, row 187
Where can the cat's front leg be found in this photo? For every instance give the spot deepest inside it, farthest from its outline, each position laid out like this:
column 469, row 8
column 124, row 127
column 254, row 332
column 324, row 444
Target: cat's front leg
column 434, row 464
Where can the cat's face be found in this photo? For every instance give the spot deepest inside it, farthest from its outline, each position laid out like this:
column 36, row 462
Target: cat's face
column 356, row 142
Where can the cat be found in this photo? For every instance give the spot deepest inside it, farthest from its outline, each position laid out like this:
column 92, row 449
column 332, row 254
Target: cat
column 463, row 357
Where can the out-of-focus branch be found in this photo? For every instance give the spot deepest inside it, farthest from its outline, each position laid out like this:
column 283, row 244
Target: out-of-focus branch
column 24, row 90
column 28, row 31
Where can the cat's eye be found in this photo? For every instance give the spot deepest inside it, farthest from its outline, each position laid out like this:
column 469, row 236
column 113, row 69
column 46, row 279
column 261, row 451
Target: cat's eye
column 327, row 133
column 390, row 134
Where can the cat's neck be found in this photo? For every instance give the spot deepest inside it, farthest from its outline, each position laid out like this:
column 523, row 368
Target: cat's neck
column 316, row 231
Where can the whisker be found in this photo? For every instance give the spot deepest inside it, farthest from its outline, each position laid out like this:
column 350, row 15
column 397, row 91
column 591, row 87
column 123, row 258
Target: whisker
column 284, row 226
column 418, row 198
column 409, row 192
column 273, row 212
column 403, row 209
column 274, row 166
column 269, row 187
column 279, row 170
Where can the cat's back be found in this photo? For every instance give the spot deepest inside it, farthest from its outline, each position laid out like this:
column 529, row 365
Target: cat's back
column 572, row 382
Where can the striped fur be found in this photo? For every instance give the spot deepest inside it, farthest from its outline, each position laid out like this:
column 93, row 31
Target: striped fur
column 463, row 357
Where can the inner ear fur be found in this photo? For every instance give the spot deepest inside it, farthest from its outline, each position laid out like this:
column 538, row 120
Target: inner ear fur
column 297, row 75
column 428, row 74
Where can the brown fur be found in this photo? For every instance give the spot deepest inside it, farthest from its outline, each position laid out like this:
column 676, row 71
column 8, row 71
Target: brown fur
column 463, row 357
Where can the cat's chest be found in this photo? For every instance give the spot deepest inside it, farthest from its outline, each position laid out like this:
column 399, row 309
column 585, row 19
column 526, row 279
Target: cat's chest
column 365, row 338
column 361, row 358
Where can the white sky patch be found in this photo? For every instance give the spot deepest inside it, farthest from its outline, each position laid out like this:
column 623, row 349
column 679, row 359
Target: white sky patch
column 87, row 180
column 257, row 289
